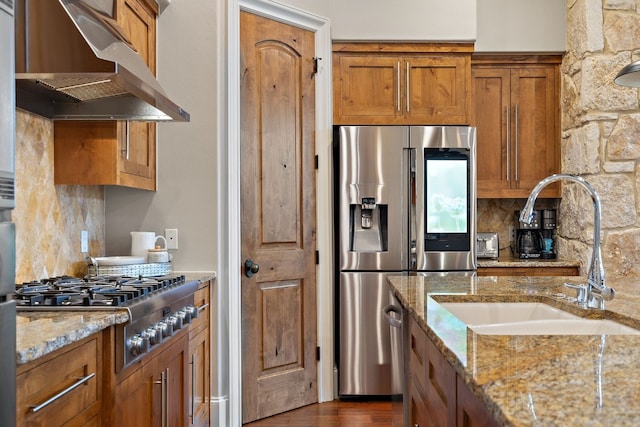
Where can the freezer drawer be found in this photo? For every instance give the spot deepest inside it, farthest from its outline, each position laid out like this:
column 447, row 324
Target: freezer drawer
column 365, row 360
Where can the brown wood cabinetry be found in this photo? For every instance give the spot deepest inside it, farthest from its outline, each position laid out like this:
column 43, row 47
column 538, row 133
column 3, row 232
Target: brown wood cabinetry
column 199, row 360
column 516, row 109
column 471, row 412
column 113, row 152
column 401, row 83
column 69, row 379
column 530, row 271
column 432, row 382
column 437, row 395
column 154, row 392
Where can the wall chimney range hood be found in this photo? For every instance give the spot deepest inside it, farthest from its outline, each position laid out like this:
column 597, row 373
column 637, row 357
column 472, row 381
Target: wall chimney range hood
column 74, row 62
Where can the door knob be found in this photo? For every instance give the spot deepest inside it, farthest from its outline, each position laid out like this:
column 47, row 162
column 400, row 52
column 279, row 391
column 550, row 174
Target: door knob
column 250, row 267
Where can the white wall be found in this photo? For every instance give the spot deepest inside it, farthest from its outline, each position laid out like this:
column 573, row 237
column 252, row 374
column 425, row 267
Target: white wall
column 187, row 152
column 395, row 20
column 521, row 26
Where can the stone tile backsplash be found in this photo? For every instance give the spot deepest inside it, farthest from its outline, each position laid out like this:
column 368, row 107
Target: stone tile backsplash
column 49, row 217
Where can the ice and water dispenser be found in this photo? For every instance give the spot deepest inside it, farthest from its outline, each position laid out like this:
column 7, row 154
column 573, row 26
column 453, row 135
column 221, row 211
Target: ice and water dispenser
column 368, row 230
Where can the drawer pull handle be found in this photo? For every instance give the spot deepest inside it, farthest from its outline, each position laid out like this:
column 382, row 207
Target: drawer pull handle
column 36, row 408
column 202, row 307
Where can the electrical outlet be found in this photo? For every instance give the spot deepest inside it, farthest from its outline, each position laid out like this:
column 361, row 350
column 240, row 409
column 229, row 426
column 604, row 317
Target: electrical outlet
column 512, row 233
column 171, row 234
column 84, row 241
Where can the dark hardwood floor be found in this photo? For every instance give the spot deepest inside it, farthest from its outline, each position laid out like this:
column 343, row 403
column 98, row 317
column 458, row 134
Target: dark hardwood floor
column 337, row 413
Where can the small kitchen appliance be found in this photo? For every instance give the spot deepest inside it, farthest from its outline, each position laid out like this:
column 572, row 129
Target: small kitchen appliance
column 487, row 245
column 548, row 231
column 405, row 204
column 528, row 242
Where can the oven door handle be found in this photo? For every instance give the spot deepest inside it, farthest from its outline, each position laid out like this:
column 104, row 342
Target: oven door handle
column 36, row 408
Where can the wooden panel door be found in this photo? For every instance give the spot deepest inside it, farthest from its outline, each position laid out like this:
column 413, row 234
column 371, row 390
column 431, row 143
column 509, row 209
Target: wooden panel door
column 491, row 95
column 279, row 367
column 436, row 89
column 535, row 113
column 369, row 89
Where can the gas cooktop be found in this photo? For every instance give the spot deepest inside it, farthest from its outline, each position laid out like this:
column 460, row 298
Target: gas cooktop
column 96, row 292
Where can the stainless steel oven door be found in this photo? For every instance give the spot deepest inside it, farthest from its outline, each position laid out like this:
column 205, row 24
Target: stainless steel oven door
column 8, row 364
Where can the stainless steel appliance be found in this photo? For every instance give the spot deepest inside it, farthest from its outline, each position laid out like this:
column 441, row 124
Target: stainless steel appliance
column 7, row 228
column 529, row 243
column 406, row 203
column 158, row 306
column 74, row 62
column 487, row 245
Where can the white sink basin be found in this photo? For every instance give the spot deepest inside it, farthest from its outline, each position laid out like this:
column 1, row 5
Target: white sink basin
column 518, row 318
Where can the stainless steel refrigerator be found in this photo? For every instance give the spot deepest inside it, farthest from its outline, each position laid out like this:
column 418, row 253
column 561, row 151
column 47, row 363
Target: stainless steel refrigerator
column 405, row 204
column 7, row 228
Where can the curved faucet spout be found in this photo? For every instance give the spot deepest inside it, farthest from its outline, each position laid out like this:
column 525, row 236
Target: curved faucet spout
column 595, row 289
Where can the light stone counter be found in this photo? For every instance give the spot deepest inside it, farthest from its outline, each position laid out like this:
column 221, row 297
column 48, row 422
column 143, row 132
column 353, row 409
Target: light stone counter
column 41, row 332
column 535, row 380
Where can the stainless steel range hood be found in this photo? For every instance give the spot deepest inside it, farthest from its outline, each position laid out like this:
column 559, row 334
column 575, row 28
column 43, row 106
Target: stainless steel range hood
column 73, row 62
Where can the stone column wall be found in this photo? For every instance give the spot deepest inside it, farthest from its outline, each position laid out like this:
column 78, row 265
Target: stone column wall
column 601, row 134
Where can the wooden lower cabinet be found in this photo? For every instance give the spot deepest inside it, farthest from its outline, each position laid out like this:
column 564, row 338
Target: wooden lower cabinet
column 437, row 396
column 154, row 393
column 471, row 412
column 529, row 271
column 71, row 377
column 200, row 360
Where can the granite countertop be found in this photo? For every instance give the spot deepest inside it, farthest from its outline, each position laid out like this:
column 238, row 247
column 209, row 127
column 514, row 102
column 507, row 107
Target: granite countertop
column 530, row 380
column 41, row 332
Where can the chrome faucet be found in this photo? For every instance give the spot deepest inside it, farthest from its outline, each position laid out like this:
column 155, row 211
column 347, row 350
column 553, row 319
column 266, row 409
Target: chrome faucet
column 595, row 291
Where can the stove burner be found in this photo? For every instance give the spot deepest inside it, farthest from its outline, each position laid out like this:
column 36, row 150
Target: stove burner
column 98, row 291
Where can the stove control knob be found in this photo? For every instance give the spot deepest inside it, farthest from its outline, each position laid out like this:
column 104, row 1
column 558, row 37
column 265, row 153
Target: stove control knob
column 176, row 321
column 138, row 344
column 193, row 312
column 184, row 315
column 165, row 327
column 154, row 336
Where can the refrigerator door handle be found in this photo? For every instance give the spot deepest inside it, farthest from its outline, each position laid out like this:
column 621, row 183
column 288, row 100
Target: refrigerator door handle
column 392, row 321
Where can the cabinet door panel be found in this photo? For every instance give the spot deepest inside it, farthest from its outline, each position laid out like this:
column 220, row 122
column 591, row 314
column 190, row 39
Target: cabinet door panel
column 491, row 98
column 534, row 109
column 370, row 88
column 435, row 90
column 138, row 156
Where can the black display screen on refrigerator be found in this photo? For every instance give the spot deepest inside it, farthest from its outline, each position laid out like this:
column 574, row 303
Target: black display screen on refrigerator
column 447, row 199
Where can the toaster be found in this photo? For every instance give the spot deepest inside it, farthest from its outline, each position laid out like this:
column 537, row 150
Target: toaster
column 487, row 245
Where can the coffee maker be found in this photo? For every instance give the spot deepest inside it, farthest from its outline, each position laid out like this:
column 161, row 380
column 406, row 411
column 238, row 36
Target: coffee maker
column 536, row 240
column 548, row 231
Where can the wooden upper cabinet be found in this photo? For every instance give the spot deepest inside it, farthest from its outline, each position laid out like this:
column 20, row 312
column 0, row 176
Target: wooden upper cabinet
column 516, row 111
column 113, row 152
column 401, row 83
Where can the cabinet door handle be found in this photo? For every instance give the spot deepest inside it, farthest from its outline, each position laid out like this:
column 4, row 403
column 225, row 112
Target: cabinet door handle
column 167, row 399
column 127, row 146
column 516, row 141
column 408, row 86
column 506, row 109
column 398, row 86
column 36, row 408
column 193, row 387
